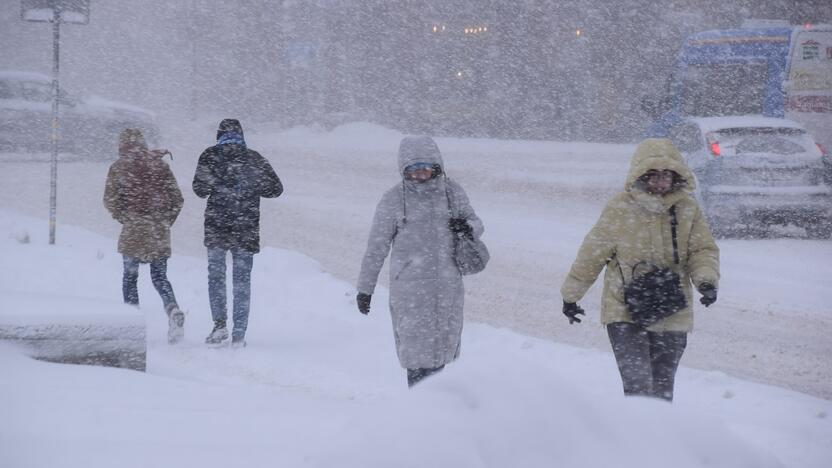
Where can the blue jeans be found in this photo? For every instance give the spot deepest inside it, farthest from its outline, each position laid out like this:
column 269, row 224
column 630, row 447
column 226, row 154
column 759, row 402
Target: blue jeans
column 242, row 262
column 158, row 274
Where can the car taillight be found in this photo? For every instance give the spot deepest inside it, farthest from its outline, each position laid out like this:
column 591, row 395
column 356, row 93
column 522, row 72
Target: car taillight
column 823, row 151
column 713, row 145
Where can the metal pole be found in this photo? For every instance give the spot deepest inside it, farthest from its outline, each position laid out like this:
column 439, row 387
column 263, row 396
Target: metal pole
column 53, row 182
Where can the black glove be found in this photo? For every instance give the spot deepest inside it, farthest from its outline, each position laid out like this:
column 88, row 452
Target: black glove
column 708, row 292
column 363, row 301
column 460, row 226
column 572, row 310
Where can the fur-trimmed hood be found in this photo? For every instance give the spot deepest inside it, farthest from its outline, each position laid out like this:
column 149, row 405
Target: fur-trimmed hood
column 658, row 154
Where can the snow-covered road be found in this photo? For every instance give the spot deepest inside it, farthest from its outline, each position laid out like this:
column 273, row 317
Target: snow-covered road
column 772, row 323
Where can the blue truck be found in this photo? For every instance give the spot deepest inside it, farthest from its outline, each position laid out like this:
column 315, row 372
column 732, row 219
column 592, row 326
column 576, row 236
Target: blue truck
column 778, row 71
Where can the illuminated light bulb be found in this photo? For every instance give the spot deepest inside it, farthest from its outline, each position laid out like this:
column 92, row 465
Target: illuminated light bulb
column 577, row 32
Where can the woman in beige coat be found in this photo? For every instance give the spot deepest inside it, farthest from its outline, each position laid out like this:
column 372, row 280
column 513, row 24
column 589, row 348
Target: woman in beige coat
column 635, row 228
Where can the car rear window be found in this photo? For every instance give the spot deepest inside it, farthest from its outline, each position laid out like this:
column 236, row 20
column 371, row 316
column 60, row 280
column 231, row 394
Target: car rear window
column 768, row 144
column 764, row 140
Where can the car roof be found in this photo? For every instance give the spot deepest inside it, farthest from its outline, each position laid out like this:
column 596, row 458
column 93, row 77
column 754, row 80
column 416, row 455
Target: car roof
column 711, row 124
column 24, row 76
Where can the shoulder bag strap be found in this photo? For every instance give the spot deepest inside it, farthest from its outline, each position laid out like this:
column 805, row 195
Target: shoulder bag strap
column 454, row 214
column 673, row 223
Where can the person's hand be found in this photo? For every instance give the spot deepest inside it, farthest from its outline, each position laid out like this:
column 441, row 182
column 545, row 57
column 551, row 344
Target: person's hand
column 460, row 226
column 363, row 301
column 708, row 292
column 572, row 310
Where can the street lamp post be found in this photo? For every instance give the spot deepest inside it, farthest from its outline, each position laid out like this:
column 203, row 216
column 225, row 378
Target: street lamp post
column 55, row 12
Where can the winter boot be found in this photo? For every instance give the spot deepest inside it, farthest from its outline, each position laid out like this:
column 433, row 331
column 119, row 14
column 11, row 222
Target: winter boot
column 176, row 324
column 218, row 334
column 238, row 340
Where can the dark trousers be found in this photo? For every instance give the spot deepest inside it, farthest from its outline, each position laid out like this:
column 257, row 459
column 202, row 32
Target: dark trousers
column 415, row 375
column 158, row 274
column 242, row 263
column 646, row 360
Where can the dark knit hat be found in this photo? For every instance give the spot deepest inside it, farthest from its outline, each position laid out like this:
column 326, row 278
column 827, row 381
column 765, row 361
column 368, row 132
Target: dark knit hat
column 229, row 125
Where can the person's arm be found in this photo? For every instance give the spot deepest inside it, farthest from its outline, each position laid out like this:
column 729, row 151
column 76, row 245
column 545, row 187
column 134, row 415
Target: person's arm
column 703, row 253
column 269, row 184
column 381, row 237
column 112, row 196
column 175, row 195
column 464, row 210
column 596, row 250
column 204, row 183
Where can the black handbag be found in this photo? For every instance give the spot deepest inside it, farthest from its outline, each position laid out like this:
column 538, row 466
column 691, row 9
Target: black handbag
column 470, row 254
column 656, row 293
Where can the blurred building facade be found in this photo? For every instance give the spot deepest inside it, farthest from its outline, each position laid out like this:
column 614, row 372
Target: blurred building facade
column 572, row 69
column 540, row 69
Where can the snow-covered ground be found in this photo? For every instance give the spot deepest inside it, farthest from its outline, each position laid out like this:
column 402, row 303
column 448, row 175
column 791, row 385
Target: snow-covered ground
column 772, row 323
column 319, row 386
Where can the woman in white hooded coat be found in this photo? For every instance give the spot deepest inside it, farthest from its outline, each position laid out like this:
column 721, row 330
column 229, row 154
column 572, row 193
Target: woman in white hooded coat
column 418, row 219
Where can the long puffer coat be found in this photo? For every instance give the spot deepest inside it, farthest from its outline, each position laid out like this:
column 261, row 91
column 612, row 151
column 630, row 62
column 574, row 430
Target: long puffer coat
column 141, row 193
column 426, row 289
column 234, row 178
column 635, row 227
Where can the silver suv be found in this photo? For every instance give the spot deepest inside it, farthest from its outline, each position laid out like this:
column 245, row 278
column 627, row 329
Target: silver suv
column 755, row 172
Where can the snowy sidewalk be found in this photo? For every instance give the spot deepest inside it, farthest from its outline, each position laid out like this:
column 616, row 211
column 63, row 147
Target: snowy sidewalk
column 319, row 385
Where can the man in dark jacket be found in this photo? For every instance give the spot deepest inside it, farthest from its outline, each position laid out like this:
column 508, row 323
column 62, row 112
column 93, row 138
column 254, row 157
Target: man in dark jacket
column 233, row 178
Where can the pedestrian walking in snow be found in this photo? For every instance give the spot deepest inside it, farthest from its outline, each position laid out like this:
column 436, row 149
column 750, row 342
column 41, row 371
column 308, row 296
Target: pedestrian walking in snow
column 654, row 242
column 142, row 194
column 419, row 218
column 233, row 178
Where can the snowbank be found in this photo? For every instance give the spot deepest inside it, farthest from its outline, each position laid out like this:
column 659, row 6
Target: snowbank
column 319, row 386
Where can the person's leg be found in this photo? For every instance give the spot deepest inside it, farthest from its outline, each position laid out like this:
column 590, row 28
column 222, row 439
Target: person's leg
column 414, row 376
column 243, row 263
column 631, row 348
column 159, row 276
column 666, row 351
column 176, row 318
column 216, row 284
column 130, row 280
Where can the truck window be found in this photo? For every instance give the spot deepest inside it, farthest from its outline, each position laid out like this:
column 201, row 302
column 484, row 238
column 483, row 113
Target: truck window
column 724, row 89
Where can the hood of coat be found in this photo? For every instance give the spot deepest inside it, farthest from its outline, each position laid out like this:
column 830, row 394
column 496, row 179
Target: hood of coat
column 418, row 149
column 230, row 126
column 658, row 154
column 131, row 143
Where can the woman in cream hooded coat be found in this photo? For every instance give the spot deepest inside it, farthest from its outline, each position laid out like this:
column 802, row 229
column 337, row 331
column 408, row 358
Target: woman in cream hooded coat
column 418, row 218
column 634, row 227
